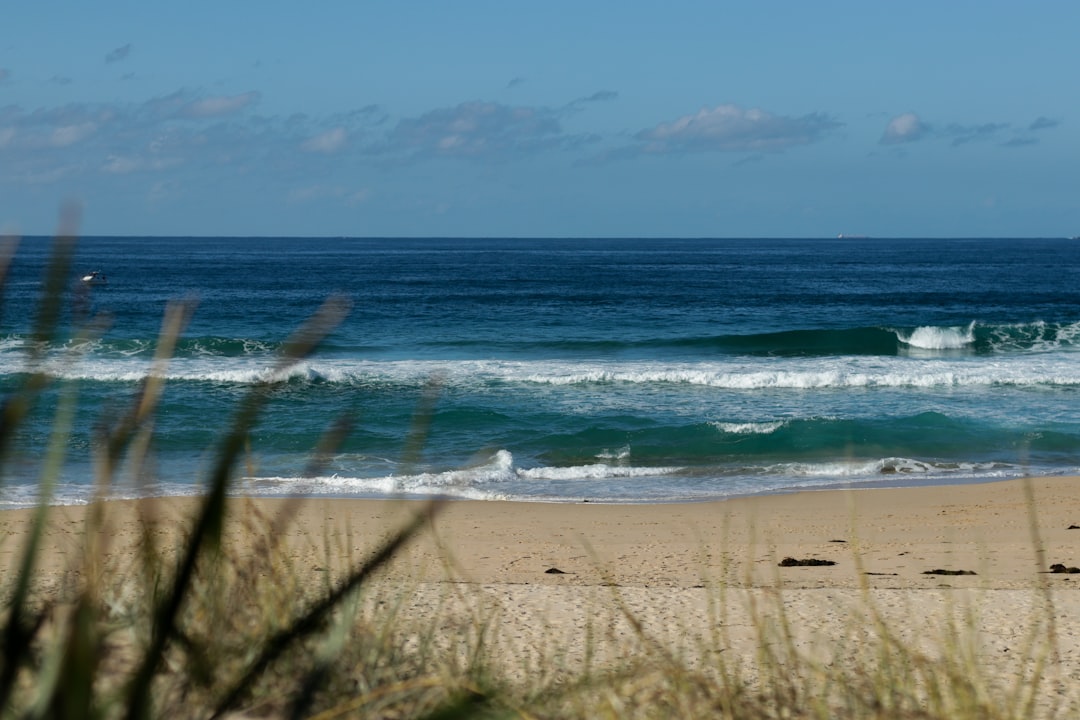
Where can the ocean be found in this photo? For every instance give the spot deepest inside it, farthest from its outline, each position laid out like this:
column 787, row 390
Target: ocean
column 622, row 370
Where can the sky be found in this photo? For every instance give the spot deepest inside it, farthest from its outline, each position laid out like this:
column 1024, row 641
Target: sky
column 590, row 118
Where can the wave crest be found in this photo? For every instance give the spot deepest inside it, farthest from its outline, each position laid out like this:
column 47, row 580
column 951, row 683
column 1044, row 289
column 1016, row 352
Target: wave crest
column 939, row 338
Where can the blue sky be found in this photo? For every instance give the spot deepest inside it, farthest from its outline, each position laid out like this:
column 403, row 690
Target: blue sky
column 379, row 118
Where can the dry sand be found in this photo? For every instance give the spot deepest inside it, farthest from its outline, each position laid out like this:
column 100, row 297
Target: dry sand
column 697, row 578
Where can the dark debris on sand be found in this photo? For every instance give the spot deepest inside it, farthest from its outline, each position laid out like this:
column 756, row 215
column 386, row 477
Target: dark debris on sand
column 808, row 562
column 939, row 571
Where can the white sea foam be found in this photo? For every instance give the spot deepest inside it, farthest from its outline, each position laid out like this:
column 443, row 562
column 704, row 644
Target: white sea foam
column 835, row 374
column 621, row 454
column 875, row 469
column 491, row 480
column 1036, row 337
column 1030, row 369
column 15, row 496
column 1067, row 335
column 939, row 338
column 473, row 483
column 498, row 480
column 749, row 428
column 12, row 343
column 599, row 471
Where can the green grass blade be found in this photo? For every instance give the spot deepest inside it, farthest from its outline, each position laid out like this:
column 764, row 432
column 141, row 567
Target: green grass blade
column 207, row 528
column 313, row 619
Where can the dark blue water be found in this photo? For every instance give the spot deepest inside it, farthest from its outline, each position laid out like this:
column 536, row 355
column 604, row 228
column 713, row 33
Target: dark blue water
column 622, row 370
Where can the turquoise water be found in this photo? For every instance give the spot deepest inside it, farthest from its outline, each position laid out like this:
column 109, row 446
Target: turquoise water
column 613, row 370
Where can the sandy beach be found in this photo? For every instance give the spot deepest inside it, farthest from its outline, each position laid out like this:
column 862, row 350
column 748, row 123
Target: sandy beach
column 554, row 578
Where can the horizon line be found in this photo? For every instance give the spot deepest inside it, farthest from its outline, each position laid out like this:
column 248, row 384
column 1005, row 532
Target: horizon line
column 842, row 236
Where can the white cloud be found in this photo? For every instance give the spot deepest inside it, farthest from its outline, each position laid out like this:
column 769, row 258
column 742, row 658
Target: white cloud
column 218, row 105
column 327, row 142
column 121, row 165
column 731, row 128
column 183, row 129
column 70, row 134
column 93, row 140
column 903, row 128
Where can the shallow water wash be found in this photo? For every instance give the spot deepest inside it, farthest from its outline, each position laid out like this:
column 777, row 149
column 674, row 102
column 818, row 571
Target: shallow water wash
column 609, row 370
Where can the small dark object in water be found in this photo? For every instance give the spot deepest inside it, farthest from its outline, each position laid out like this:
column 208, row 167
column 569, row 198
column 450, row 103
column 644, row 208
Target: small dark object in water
column 808, row 562
column 554, row 571
column 939, row 571
column 838, row 541
column 1060, row 568
column 1073, row 527
column 877, row 573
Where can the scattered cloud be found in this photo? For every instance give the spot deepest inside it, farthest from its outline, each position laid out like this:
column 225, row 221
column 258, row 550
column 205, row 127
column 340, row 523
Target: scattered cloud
column 963, row 134
column 167, row 107
column 328, row 142
column 218, row 105
column 70, row 134
column 60, row 80
column 908, row 127
column 1043, row 123
column 477, row 130
column 514, row 82
column 119, row 54
column 749, row 160
column 183, row 132
column 730, row 128
column 599, row 96
column 46, row 129
column 5, row 75
column 1037, row 125
column 903, row 129
column 367, row 116
column 120, row 165
column 190, row 131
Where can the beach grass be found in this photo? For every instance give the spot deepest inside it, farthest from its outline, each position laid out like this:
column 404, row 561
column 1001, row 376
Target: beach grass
column 210, row 612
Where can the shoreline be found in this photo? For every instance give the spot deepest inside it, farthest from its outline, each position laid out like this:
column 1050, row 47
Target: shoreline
column 177, row 491
column 877, row 536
